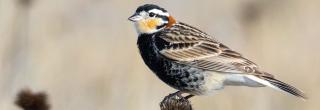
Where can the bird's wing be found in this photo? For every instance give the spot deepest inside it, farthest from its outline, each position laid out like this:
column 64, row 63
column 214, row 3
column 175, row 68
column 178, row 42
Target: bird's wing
column 201, row 51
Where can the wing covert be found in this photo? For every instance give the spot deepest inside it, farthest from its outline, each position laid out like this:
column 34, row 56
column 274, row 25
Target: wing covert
column 202, row 51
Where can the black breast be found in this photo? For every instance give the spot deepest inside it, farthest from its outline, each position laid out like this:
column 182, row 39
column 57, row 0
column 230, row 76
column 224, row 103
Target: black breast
column 179, row 76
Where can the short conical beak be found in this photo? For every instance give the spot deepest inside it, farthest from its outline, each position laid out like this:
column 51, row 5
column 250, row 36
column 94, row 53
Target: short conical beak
column 135, row 17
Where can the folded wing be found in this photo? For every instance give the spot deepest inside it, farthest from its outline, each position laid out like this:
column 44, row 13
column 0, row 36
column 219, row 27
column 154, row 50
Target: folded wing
column 205, row 53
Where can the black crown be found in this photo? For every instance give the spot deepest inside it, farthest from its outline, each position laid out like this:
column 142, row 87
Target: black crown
column 148, row 7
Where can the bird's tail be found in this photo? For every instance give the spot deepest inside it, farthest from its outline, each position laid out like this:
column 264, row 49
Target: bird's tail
column 279, row 85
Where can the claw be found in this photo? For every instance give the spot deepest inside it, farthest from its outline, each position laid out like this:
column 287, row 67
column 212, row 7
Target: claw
column 189, row 96
column 179, row 95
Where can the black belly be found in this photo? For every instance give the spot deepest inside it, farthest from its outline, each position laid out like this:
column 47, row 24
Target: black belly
column 178, row 76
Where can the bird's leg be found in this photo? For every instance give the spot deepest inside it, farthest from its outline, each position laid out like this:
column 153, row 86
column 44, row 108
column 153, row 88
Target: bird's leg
column 178, row 94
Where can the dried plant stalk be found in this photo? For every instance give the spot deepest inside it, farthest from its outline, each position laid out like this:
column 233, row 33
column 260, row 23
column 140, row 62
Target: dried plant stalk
column 27, row 100
column 173, row 102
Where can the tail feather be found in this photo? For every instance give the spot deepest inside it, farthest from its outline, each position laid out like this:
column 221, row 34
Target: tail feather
column 285, row 87
column 279, row 85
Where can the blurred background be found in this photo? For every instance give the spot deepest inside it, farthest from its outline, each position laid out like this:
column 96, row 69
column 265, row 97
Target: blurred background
column 83, row 53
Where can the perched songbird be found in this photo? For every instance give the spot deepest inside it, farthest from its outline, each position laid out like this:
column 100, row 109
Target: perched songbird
column 192, row 61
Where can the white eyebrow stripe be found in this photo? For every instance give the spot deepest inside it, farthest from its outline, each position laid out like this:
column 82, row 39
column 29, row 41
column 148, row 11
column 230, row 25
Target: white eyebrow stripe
column 159, row 12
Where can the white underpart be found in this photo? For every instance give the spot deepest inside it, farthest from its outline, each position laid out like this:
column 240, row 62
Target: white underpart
column 264, row 82
column 215, row 81
column 159, row 12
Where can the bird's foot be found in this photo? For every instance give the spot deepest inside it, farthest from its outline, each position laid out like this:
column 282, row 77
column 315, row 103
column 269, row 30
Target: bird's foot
column 178, row 95
column 188, row 96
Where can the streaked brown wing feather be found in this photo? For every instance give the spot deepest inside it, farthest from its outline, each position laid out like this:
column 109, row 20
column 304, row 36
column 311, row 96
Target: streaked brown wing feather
column 183, row 51
column 205, row 53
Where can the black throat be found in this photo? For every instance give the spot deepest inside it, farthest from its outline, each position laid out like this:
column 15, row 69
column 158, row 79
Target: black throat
column 149, row 51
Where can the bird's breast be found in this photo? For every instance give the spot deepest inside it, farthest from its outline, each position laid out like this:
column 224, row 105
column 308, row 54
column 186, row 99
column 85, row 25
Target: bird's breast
column 178, row 76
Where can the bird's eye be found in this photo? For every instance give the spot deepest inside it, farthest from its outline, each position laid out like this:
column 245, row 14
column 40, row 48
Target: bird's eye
column 152, row 14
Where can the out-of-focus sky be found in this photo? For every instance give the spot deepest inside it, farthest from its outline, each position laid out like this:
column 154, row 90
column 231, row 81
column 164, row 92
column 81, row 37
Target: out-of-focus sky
column 83, row 53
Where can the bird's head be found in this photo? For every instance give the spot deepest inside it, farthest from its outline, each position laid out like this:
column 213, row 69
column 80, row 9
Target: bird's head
column 150, row 18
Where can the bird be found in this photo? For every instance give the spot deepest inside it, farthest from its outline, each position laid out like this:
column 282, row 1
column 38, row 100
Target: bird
column 192, row 61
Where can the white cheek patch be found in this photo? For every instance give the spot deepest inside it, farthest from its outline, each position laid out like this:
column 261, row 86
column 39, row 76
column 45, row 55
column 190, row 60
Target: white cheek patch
column 159, row 12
